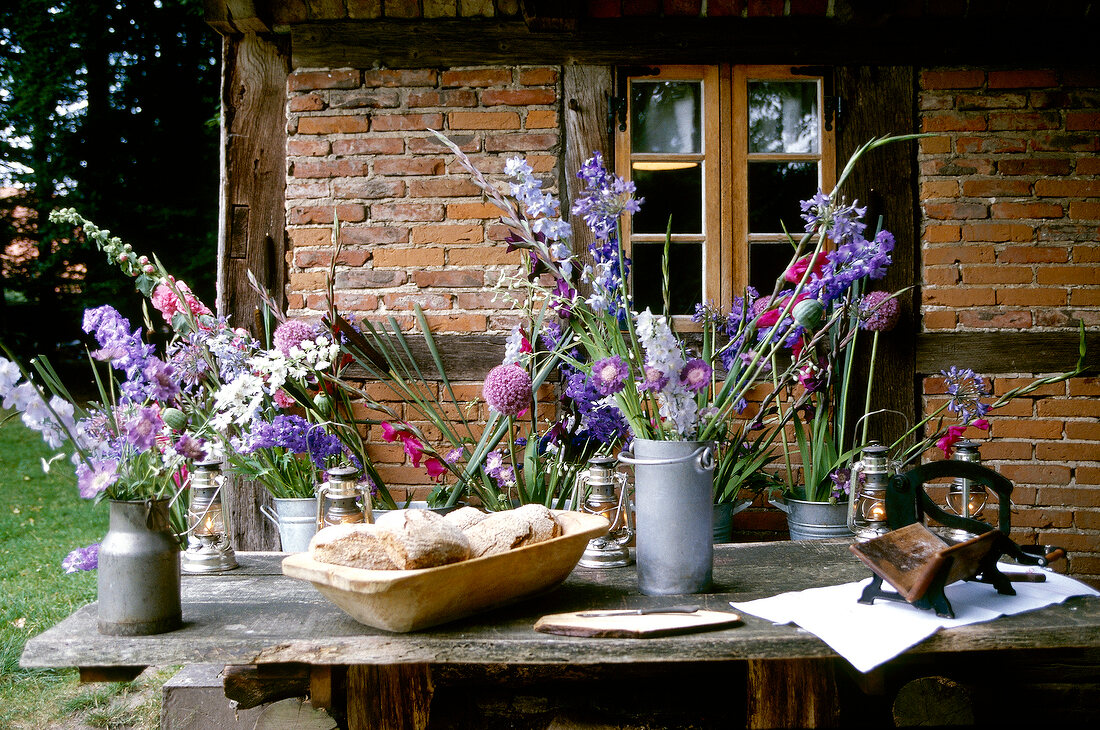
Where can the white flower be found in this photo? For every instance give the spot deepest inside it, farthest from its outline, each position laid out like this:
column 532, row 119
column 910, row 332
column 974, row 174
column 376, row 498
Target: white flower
column 20, row 396
column 9, row 376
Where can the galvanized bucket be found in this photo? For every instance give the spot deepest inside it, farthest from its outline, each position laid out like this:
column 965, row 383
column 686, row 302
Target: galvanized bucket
column 139, row 571
column 723, row 519
column 673, row 503
column 297, row 522
column 815, row 520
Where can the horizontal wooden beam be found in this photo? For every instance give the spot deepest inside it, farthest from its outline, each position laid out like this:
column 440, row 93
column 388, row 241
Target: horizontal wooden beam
column 1005, row 352
column 464, row 357
column 891, row 40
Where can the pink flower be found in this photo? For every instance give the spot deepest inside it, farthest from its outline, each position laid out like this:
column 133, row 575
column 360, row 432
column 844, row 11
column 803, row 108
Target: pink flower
column 981, row 424
column 507, row 389
column 389, row 433
column 413, row 448
column 283, row 399
column 770, row 317
column 435, row 468
column 946, row 443
column 798, row 268
column 292, row 333
column 167, row 303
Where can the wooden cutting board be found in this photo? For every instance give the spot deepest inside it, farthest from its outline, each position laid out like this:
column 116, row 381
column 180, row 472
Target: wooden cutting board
column 635, row 627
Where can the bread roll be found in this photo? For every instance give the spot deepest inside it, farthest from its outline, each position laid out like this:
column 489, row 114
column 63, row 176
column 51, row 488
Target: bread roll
column 543, row 524
column 418, row 538
column 465, row 517
column 498, row 533
column 355, row 545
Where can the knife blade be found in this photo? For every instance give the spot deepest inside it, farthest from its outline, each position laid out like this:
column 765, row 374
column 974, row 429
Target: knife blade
column 640, row 611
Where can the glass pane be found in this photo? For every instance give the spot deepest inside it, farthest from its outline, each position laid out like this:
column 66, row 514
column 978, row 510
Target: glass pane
column 783, row 116
column 677, row 192
column 665, row 116
column 767, row 262
column 775, row 189
column 685, row 276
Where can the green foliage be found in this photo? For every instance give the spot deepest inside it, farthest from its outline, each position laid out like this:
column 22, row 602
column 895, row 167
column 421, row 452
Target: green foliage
column 107, row 108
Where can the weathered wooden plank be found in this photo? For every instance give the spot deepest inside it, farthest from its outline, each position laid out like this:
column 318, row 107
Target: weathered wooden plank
column 396, row 697
column 252, row 686
column 586, row 91
column 464, row 357
column 1005, row 352
column 876, row 101
column 442, row 42
column 791, row 694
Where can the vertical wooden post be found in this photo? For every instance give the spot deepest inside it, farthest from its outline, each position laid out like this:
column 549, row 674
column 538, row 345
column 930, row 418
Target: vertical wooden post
column 389, row 696
column 586, row 90
column 791, row 693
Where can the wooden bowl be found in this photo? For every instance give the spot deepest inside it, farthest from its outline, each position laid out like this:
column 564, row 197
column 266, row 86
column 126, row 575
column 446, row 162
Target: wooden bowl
column 410, row 600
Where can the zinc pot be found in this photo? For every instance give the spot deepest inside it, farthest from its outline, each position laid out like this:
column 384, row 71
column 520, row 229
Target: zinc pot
column 723, row 519
column 674, row 513
column 139, row 571
column 815, row 520
column 296, row 519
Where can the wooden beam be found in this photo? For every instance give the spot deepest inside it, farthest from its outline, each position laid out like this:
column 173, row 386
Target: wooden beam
column 251, row 686
column 586, row 91
column 890, row 40
column 792, row 693
column 1005, row 352
column 464, row 357
column 389, row 697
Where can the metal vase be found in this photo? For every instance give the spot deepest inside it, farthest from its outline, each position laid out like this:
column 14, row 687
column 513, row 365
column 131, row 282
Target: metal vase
column 296, row 519
column 139, row 571
column 723, row 519
column 674, row 499
column 815, row 520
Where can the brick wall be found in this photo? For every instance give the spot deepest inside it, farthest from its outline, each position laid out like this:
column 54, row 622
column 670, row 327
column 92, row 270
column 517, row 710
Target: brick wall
column 1010, row 191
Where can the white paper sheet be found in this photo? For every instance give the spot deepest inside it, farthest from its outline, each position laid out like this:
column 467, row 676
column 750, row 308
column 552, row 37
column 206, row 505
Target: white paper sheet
column 868, row 635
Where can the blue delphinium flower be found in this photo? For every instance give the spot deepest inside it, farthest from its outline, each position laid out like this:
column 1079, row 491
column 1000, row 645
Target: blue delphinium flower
column 85, row 558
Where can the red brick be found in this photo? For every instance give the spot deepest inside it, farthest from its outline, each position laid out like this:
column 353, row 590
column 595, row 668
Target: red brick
column 1084, row 386
column 1080, row 210
column 1085, row 297
column 483, row 120
column 1085, row 520
column 464, row 211
column 482, row 300
column 306, row 103
column 1082, row 121
column 304, row 215
column 334, row 79
column 1026, row 428
column 342, row 124
column 368, row 188
column 448, row 97
column 408, row 257
column 477, row 77
column 998, row 145
column 935, row 145
column 955, row 211
column 541, row 119
column 951, row 122
column 996, row 449
column 307, row 147
column 448, row 234
column 1068, row 275
column 1076, row 407
column 989, row 188
column 457, row 322
column 442, row 188
column 1043, row 519
column 408, row 166
column 1037, row 474
column 1066, row 451
column 449, row 278
column 1088, row 165
column 406, row 122
column 306, row 258
column 968, row 102
column 365, row 99
column 1089, row 430
column 373, row 235
column 518, row 97
column 968, row 297
column 328, row 168
column 1026, row 210
column 440, row 8
column 997, row 232
column 1034, row 166
column 468, row 143
column 369, row 279
column 1071, row 188
column 1000, row 320
column 1069, row 496
column 941, row 275
column 1086, row 254
column 538, row 76
column 1031, row 297
column 939, row 189
column 368, row 146
column 1022, row 79
column 682, row 7
column 942, row 233
column 967, row 79
column 1032, row 255
column 482, row 256
column 397, row 78
column 957, row 166
column 1065, row 143
column 520, row 142
column 1010, row 121
column 406, row 212
column 938, row 320
column 1089, row 474
column 958, row 254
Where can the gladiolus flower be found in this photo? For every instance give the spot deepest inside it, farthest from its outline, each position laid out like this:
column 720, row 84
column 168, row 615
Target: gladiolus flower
column 798, row 268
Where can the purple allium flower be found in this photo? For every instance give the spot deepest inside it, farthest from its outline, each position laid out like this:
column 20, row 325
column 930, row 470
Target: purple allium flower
column 878, row 312
column 85, row 558
column 655, row 380
column 507, row 389
column 91, row 480
column 610, row 374
column 966, row 389
column 292, row 333
column 142, row 429
column 695, row 375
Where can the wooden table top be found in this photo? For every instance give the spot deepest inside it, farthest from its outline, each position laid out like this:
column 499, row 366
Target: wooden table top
column 255, row 615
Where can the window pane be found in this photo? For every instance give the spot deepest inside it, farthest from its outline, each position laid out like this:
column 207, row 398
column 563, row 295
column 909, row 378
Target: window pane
column 767, row 262
column 664, row 116
column 783, row 117
column 685, row 276
column 775, row 189
column 677, row 192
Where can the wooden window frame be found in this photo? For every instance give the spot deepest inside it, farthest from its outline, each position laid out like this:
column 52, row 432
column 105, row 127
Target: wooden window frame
column 725, row 169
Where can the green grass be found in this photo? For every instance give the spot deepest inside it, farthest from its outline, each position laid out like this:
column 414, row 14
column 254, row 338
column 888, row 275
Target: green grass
column 42, row 518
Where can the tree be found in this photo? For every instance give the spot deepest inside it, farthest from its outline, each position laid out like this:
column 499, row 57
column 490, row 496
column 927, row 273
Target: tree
column 110, row 108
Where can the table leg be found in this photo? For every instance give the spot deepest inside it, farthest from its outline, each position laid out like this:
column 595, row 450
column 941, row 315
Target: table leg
column 791, row 693
column 389, row 696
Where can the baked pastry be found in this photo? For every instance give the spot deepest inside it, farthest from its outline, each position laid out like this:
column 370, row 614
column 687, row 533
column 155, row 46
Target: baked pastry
column 465, row 517
column 543, row 524
column 418, row 538
column 353, row 545
column 503, row 531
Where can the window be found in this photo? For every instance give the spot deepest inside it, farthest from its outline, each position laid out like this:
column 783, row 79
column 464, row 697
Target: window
column 721, row 155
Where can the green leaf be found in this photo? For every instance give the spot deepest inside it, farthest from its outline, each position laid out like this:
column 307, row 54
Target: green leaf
column 145, row 284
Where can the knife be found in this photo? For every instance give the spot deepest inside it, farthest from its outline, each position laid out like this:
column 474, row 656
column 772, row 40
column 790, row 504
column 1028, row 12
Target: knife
column 640, row 611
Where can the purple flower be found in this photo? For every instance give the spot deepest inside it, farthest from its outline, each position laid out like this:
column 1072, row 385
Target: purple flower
column 655, row 380
column 878, row 312
column 507, row 389
column 292, row 333
column 85, row 558
column 610, row 374
column 142, row 429
column 322, row 446
column 695, row 375
column 91, row 480
column 966, row 388
column 190, row 447
column 161, row 378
